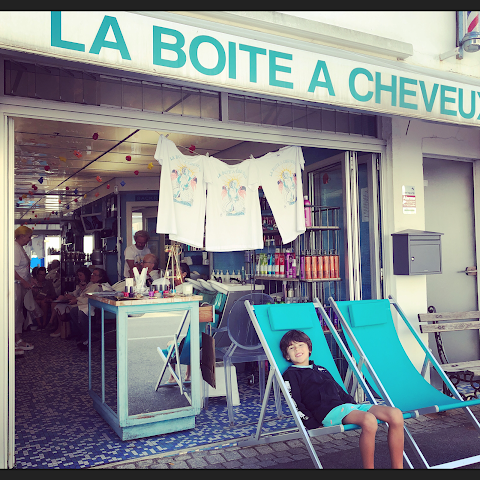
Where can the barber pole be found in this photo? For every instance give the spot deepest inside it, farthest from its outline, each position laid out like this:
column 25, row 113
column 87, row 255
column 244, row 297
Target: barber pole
column 472, row 21
column 468, row 31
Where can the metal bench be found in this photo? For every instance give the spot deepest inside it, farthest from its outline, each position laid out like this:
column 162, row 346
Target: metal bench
column 438, row 323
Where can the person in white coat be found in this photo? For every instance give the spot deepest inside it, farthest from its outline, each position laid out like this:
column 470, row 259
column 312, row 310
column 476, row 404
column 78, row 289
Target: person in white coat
column 135, row 253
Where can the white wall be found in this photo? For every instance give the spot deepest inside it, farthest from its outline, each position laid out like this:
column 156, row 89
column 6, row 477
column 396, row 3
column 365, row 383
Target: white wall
column 409, row 141
column 431, row 34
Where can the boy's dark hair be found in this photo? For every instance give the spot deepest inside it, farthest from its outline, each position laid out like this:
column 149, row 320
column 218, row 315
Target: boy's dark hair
column 291, row 337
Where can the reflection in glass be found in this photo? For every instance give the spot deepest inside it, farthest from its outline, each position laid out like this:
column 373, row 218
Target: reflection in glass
column 146, row 332
column 96, row 366
column 364, row 224
column 110, row 340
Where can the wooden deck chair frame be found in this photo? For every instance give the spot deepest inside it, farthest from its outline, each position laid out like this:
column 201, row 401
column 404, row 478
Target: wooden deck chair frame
column 275, row 379
column 366, row 367
column 176, row 374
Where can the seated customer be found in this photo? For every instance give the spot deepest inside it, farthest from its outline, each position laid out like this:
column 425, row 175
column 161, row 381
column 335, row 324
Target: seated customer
column 43, row 293
column 150, row 262
column 55, row 276
column 61, row 306
column 79, row 313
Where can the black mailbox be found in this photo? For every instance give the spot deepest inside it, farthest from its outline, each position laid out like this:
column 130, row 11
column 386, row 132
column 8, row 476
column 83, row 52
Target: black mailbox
column 416, row 252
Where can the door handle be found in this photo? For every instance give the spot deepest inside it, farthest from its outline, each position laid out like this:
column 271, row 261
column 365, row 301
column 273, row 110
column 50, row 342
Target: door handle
column 471, row 271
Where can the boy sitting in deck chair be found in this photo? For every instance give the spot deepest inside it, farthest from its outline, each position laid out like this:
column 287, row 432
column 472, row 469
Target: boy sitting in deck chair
column 321, row 400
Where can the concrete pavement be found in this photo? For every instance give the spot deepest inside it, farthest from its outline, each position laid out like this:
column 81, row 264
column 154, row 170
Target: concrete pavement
column 442, row 437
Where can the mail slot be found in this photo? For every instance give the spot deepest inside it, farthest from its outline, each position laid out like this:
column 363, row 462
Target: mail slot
column 417, row 252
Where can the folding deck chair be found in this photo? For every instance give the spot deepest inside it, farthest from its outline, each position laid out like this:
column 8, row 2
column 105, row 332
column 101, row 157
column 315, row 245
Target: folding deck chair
column 271, row 323
column 173, row 352
column 370, row 332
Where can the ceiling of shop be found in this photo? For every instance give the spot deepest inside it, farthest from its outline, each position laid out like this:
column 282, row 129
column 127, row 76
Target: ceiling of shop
column 58, row 163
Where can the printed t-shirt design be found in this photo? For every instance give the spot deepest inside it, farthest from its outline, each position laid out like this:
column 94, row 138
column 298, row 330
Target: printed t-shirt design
column 182, row 196
column 280, row 176
column 233, row 208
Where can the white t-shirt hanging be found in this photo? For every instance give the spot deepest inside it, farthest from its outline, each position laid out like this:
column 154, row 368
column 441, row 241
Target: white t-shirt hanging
column 181, row 205
column 234, row 220
column 280, row 176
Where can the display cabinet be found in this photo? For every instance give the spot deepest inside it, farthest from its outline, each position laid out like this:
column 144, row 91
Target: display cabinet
column 315, row 256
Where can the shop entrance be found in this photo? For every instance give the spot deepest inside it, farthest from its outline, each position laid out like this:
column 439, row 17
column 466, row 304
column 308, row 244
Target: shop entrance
column 231, row 150
column 449, row 209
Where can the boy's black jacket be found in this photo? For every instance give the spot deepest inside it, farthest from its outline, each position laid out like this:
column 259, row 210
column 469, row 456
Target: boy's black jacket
column 315, row 392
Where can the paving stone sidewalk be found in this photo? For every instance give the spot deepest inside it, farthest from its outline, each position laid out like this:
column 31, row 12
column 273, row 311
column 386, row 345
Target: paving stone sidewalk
column 273, row 455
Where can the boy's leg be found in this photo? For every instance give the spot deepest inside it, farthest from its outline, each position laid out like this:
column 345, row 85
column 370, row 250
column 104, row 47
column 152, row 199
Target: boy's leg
column 368, row 422
column 394, row 418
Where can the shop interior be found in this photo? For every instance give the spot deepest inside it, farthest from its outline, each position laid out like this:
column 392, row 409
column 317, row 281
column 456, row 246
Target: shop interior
column 88, row 188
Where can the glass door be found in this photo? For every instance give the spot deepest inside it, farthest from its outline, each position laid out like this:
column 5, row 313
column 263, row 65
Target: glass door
column 349, row 182
column 368, row 226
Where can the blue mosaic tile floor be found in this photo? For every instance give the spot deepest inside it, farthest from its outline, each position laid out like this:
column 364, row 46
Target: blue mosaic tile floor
column 57, row 427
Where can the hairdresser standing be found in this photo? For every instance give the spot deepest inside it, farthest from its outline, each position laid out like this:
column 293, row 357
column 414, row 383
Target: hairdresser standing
column 23, row 235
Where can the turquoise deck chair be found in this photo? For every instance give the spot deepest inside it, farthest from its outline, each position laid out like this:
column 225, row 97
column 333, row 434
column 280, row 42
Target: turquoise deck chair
column 371, row 336
column 271, row 322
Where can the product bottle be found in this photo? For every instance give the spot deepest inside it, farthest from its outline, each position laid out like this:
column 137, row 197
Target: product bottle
column 271, row 265
column 277, row 262
column 337, row 266
column 288, row 264
column 294, row 266
column 281, row 263
column 302, row 266
column 242, row 276
column 308, row 265
column 326, row 265
column 331, row 262
column 319, row 265
column 308, row 211
column 314, row 265
column 227, row 277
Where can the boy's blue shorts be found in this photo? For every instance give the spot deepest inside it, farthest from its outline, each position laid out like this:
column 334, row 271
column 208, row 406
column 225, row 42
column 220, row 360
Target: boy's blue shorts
column 337, row 414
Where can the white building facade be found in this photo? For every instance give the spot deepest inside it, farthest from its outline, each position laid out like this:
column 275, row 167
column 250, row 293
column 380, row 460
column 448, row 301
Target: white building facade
column 422, row 160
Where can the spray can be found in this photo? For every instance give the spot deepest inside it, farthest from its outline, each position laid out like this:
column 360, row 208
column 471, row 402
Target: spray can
column 326, row 265
column 319, row 265
column 308, row 211
column 332, row 264
column 308, row 265
column 277, row 262
column 314, row 265
column 337, row 265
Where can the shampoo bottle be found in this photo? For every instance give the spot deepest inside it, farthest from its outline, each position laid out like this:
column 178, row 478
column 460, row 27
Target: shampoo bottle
column 308, row 211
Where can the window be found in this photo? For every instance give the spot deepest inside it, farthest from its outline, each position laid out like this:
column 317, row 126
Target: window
column 246, row 109
column 76, row 86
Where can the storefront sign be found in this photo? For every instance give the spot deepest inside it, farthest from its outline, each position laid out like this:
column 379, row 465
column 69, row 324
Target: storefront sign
column 409, row 201
column 149, row 45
